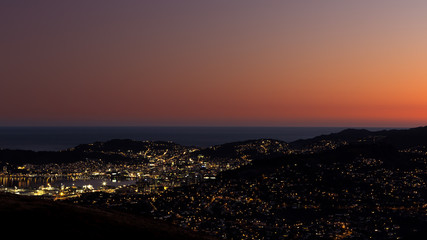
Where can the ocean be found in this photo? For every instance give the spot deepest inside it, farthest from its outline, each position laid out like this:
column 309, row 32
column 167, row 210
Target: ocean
column 61, row 138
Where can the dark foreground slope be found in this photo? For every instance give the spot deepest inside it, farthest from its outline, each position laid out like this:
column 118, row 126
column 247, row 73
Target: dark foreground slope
column 32, row 217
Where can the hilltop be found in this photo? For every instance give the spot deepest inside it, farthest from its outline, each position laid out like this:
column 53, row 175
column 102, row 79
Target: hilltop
column 402, row 138
column 122, row 150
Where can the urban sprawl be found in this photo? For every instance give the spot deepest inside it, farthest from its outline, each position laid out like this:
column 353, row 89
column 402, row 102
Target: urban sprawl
column 260, row 189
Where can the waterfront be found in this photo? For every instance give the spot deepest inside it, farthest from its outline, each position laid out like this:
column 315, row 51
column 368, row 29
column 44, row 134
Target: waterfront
column 31, row 184
column 348, row 185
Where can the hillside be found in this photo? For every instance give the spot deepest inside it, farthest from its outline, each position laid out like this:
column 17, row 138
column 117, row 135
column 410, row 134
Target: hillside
column 399, row 138
column 34, row 217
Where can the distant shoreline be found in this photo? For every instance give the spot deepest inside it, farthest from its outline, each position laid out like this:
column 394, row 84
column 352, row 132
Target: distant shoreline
column 61, row 138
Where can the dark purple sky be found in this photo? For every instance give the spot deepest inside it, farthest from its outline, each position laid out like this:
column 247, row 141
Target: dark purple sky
column 270, row 63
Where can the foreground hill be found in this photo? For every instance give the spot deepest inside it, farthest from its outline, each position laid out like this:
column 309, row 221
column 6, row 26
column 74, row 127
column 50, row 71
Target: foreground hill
column 33, row 217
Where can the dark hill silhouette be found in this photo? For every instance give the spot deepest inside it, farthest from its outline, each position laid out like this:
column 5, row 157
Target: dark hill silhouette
column 406, row 138
column 34, row 217
column 126, row 144
column 253, row 148
column 390, row 156
column 109, row 151
column 398, row 138
column 43, row 157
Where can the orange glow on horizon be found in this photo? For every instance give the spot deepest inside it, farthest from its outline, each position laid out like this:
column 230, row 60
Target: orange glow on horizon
column 246, row 63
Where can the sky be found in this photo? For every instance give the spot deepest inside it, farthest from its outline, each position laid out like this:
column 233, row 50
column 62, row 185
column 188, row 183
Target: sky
column 213, row 63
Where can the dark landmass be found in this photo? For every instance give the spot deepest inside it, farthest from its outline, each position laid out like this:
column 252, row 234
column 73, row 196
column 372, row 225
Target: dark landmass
column 110, row 151
column 355, row 184
column 398, row 138
column 33, row 217
column 249, row 148
column 342, row 155
column 19, row 157
column 117, row 145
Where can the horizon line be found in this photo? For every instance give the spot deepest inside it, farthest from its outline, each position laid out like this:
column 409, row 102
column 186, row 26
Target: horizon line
column 203, row 126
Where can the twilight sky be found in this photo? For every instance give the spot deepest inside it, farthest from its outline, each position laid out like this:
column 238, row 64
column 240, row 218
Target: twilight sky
column 256, row 63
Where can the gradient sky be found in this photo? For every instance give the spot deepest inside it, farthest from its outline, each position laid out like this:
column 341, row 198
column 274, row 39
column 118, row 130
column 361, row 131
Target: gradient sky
column 263, row 63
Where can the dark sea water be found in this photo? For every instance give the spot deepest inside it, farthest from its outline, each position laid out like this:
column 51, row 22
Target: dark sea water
column 60, row 138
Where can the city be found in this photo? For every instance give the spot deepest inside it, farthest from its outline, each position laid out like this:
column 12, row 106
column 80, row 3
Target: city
column 259, row 189
column 213, row 120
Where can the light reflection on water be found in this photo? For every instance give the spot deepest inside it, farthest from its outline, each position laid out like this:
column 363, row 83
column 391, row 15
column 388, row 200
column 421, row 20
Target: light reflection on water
column 36, row 182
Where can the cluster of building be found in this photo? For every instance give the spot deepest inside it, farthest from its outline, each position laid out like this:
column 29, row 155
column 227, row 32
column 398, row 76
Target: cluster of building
column 361, row 198
column 152, row 170
column 302, row 197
